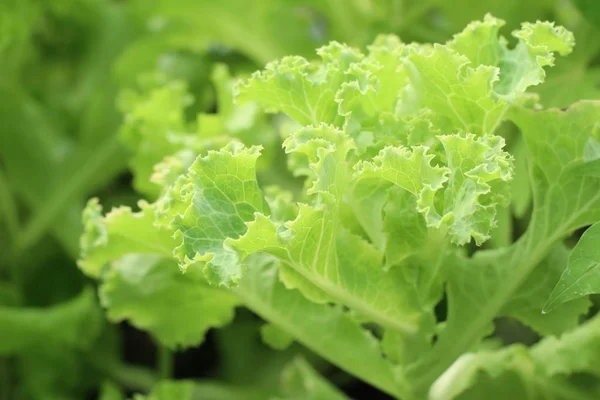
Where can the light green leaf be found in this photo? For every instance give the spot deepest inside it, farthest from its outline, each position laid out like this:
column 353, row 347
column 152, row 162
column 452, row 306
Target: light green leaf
column 223, row 194
column 473, row 183
column 327, row 330
column 325, row 149
column 527, row 302
column 553, row 151
column 303, row 90
column 281, row 202
column 405, row 228
column 558, row 145
column 580, row 278
column 155, row 296
column 460, row 96
column 522, row 66
column 321, row 258
column 120, row 232
column 563, row 201
column 470, row 82
column 352, row 275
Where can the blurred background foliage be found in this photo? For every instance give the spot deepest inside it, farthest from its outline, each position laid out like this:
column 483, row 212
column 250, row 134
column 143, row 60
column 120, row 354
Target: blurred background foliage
column 80, row 82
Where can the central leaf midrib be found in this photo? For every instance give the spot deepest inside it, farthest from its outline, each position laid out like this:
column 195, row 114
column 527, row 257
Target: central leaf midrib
column 265, row 310
column 351, row 301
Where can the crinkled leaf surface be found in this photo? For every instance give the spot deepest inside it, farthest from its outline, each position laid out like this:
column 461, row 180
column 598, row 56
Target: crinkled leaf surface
column 118, row 233
column 224, row 194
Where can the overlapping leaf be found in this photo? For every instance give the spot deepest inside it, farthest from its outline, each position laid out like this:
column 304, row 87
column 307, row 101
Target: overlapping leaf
column 154, row 296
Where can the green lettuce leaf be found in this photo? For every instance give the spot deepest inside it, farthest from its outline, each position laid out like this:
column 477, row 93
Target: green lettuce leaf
column 224, row 194
column 118, row 233
column 156, row 297
column 327, row 330
column 579, row 279
column 563, row 201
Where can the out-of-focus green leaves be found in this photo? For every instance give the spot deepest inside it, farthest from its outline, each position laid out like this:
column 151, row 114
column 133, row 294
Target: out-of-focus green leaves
column 590, row 9
column 299, row 381
column 74, row 325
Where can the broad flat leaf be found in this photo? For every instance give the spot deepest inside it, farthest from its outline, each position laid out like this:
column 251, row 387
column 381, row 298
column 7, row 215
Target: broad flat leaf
column 580, row 278
column 528, row 301
column 156, row 297
column 534, row 373
column 552, row 150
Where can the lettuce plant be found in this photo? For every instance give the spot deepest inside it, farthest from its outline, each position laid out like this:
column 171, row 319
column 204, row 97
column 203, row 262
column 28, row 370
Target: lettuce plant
column 387, row 248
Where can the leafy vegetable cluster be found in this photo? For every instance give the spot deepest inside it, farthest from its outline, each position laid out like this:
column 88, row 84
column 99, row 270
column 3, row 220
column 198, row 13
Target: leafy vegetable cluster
column 393, row 206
